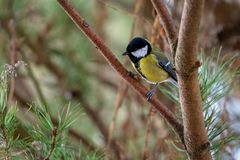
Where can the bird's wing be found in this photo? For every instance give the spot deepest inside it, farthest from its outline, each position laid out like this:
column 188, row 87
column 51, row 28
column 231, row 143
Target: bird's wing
column 165, row 64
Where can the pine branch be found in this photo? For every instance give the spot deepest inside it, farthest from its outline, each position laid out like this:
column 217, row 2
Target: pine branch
column 54, row 135
column 107, row 53
column 168, row 25
column 79, row 137
column 195, row 134
column 5, row 142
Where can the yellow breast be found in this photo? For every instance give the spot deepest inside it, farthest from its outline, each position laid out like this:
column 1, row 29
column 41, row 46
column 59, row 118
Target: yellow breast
column 150, row 69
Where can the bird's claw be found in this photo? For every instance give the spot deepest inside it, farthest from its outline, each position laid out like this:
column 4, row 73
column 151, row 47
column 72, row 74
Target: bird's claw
column 149, row 95
column 131, row 74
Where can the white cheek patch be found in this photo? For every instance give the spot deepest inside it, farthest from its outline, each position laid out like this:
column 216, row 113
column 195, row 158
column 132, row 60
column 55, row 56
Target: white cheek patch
column 140, row 52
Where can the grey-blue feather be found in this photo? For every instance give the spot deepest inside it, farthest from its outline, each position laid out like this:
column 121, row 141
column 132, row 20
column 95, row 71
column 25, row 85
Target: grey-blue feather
column 167, row 66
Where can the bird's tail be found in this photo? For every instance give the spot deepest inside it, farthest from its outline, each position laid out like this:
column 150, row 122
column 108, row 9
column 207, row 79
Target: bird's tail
column 174, row 82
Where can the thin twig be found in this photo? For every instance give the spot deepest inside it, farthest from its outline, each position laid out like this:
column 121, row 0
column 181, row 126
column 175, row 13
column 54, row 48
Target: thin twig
column 137, row 9
column 147, row 133
column 42, row 55
column 107, row 53
column 47, row 28
column 124, row 11
column 97, row 120
column 84, row 140
column 13, row 57
column 119, row 101
column 54, row 135
column 155, row 33
column 35, row 82
column 168, row 25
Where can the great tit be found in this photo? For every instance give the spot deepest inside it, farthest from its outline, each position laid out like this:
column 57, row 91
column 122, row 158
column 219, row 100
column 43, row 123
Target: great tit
column 154, row 68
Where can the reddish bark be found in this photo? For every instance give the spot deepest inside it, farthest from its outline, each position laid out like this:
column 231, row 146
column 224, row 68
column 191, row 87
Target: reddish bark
column 195, row 134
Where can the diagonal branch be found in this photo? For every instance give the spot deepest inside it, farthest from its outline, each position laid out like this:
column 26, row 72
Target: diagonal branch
column 167, row 23
column 53, row 143
column 107, row 53
column 195, row 134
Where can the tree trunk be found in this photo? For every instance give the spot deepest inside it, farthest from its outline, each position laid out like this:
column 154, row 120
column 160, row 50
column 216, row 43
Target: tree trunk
column 195, row 134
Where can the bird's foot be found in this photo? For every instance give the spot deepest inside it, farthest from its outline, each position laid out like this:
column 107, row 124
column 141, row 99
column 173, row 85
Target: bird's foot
column 131, row 74
column 150, row 94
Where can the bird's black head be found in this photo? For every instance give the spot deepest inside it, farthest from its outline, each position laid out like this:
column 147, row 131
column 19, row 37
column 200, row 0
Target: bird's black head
column 137, row 49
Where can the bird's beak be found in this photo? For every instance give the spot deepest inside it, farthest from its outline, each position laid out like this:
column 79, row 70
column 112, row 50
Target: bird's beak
column 125, row 53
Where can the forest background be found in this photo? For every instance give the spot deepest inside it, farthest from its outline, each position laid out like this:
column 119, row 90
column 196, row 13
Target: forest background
column 60, row 98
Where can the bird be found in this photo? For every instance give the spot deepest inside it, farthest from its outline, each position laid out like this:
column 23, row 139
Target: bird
column 152, row 67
